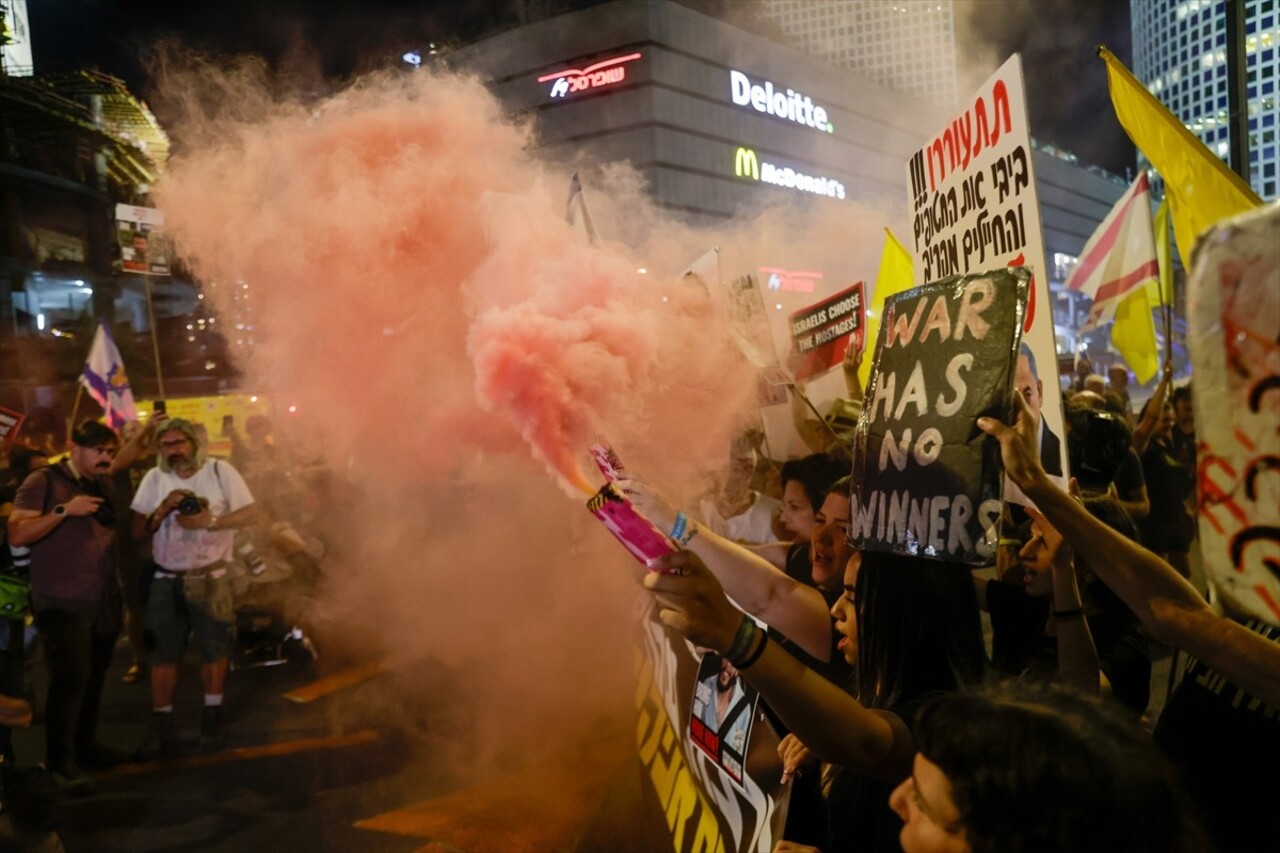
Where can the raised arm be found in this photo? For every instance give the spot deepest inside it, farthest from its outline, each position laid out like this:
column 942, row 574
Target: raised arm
column 1077, row 654
column 761, row 589
column 834, row 725
column 1169, row 607
column 1151, row 416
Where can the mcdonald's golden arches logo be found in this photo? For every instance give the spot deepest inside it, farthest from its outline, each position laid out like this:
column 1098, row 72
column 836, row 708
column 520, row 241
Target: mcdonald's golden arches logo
column 746, row 164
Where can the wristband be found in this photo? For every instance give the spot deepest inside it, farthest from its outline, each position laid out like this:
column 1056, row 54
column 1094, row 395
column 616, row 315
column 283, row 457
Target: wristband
column 677, row 529
column 755, row 656
column 742, row 639
column 1068, row 615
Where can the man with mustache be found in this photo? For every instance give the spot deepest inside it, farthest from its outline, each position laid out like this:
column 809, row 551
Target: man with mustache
column 191, row 506
column 65, row 515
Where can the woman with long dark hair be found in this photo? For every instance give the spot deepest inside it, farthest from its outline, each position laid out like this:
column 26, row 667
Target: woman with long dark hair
column 918, row 635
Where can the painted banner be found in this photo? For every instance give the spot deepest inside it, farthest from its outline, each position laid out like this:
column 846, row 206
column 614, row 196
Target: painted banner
column 10, row 423
column 821, row 333
column 1233, row 316
column 143, row 247
column 709, row 803
column 926, row 481
column 972, row 196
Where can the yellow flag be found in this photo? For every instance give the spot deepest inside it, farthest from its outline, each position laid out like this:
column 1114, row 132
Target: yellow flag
column 1134, row 335
column 1201, row 187
column 895, row 276
column 1163, row 255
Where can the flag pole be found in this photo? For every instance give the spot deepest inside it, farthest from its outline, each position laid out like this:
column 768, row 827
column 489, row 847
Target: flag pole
column 155, row 343
column 75, row 407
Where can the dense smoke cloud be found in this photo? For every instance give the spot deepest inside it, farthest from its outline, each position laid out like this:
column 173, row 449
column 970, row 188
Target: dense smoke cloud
column 415, row 291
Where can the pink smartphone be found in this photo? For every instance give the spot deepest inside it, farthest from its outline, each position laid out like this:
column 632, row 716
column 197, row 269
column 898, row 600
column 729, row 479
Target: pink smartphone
column 645, row 542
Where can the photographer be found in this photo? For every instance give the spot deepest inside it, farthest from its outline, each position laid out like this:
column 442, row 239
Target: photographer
column 192, row 507
column 65, row 514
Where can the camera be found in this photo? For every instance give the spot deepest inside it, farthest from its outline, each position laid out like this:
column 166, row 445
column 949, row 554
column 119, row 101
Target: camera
column 1097, row 444
column 191, row 504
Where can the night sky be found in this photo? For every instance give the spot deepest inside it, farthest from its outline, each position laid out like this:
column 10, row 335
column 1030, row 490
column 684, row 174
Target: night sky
column 338, row 39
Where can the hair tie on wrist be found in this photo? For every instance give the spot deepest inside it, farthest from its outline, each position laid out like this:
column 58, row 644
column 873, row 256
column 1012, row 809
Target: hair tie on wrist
column 742, row 639
column 755, row 656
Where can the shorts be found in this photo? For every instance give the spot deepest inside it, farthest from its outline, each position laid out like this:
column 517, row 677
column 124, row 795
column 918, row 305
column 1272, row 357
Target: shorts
column 196, row 604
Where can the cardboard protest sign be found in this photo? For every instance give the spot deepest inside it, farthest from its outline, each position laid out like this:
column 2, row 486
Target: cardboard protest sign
column 821, row 333
column 10, row 423
column 143, row 247
column 972, row 194
column 705, row 801
column 1233, row 320
column 926, row 482
column 749, row 322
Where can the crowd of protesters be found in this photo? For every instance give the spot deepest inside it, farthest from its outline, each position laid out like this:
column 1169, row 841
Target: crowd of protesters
column 142, row 534
column 910, row 721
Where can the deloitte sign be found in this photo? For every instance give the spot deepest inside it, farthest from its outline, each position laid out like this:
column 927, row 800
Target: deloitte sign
column 775, row 101
column 747, row 165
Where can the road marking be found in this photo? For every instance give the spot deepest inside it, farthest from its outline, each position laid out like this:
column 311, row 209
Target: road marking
column 322, row 687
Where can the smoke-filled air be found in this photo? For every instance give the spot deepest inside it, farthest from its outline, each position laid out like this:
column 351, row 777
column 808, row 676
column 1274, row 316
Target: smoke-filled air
column 453, row 346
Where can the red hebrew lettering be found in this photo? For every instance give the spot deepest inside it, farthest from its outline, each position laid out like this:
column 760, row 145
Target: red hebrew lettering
column 999, row 96
column 964, row 134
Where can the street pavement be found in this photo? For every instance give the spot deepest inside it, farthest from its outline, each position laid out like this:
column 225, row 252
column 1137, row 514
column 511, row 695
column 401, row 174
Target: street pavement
column 365, row 756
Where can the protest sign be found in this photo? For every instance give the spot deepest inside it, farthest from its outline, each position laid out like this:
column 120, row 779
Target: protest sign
column 1233, row 318
column 821, row 333
column 926, row 482
column 749, row 322
column 10, row 423
column 972, row 195
column 721, row 712
column 143, row 246
column 705, row 806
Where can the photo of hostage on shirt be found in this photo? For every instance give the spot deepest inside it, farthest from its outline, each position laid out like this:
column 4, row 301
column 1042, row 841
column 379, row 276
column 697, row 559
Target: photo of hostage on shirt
column 721, row 713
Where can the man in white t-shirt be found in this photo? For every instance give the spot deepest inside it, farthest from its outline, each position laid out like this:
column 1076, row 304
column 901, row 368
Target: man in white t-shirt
column 191, row 507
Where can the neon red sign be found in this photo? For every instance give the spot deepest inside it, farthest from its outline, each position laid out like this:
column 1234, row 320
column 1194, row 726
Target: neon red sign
column 776, row 278
column 604, row 73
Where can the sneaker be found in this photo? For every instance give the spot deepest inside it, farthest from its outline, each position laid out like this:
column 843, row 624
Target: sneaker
column 211, row 734
column 161, row 741
column 72, row 781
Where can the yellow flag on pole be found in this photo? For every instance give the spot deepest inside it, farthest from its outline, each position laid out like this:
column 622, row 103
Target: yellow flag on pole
column 1134, row 335
column 1200, row 186
column 1164, row 257
column 895, row 275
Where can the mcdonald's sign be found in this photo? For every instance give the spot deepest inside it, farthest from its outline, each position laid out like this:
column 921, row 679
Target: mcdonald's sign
column 746, row 164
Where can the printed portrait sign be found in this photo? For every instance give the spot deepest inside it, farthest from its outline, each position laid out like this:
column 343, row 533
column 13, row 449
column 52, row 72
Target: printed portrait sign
column 721, row 712
column 143, row 247
column 973, row 202
column 693, row 791
column 926, row 481
column 821, row 333
column 1233, row 317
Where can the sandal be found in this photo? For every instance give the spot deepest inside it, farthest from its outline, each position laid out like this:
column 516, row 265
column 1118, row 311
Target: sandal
column 134, row 674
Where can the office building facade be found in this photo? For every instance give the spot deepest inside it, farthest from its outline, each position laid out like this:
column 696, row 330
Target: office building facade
column 1180, row 53
column 720, row 122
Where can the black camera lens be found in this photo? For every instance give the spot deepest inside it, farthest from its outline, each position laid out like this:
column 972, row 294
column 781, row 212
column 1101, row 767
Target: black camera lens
column 105, row 514
column 190, row 505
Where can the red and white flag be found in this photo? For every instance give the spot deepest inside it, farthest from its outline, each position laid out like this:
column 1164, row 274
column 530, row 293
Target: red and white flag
column 1119, row 257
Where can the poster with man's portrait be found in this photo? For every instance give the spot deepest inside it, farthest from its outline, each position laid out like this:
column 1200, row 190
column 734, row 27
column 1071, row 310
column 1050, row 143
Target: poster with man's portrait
column 721, row 712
